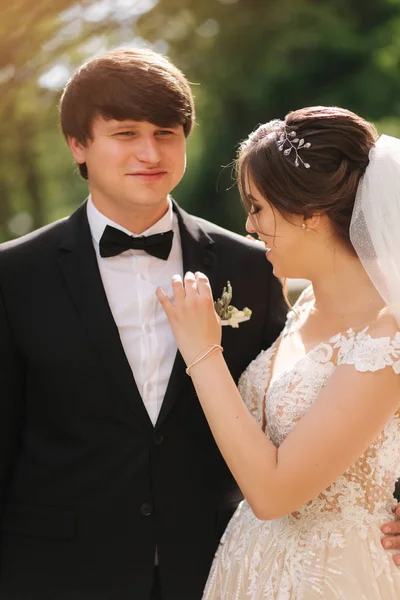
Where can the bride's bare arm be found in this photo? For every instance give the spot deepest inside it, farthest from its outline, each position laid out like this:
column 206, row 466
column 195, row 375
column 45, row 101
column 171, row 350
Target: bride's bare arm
column 348, row 415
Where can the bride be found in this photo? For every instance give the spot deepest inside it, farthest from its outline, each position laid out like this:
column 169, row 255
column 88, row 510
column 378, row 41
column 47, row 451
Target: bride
column 315, row 446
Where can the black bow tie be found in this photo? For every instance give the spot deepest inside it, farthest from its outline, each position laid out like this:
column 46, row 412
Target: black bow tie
column 114, row 241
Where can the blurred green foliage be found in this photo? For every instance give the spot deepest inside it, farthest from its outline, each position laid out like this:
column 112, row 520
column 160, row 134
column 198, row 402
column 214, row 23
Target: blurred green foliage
column 249, row 61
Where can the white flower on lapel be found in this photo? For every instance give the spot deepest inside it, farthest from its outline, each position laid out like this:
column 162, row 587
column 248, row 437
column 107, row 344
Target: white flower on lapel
column 229, row 314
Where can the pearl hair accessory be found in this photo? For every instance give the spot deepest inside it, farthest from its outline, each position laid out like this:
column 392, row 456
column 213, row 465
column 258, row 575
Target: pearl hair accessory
column 288, row 142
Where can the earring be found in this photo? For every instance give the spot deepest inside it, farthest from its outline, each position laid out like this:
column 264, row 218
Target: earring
column 303, row 226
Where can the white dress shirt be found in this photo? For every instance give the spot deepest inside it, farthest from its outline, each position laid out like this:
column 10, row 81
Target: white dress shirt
column 130, row 280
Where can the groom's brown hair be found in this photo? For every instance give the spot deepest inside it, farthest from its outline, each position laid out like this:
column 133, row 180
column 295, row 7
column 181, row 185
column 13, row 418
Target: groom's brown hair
column 136, row 84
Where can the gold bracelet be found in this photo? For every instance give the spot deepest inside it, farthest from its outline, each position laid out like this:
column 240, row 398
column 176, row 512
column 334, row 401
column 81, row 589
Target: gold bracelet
column 204, row 354
column 201, row 352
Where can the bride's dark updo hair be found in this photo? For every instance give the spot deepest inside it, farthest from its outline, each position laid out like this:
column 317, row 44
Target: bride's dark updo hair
column 331, row 146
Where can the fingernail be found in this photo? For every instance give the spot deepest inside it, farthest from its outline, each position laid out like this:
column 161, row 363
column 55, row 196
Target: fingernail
column 386, row 529
column 397, row 561
column 387, row 544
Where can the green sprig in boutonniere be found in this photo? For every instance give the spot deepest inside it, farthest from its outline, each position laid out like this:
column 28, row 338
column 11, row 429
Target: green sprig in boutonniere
column 229, row 314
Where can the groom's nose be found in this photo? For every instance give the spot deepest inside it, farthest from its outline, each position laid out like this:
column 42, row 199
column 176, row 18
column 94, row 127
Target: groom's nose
column 148, row 150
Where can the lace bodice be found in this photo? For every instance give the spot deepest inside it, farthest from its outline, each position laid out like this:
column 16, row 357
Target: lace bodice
column 330, row 549
column 365, row 491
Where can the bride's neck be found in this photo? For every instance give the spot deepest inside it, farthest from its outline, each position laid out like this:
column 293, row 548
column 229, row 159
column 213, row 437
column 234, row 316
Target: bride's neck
column 345, row 289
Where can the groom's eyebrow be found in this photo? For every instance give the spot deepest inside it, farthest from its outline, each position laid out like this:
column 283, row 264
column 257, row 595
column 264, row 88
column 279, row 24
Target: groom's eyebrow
column 124, row 125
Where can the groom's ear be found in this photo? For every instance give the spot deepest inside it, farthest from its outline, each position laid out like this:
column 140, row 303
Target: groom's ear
column 78, row 149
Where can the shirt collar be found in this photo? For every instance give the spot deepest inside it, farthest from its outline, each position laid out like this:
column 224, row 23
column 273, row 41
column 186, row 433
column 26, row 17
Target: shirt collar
column 98, row 222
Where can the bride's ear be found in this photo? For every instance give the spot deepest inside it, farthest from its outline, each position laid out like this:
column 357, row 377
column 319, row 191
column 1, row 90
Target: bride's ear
column 314, row 221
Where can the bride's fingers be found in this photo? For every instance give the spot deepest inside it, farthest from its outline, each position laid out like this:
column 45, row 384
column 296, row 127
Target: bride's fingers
column 178, row 289
column 165, row 302
column 203, row 285
column 190, row 284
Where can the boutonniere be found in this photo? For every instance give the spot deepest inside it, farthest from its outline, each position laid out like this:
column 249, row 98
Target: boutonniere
column 229, row 314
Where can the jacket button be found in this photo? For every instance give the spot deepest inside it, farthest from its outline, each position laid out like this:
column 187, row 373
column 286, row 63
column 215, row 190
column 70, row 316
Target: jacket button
column 146, row 510
column 158, row 439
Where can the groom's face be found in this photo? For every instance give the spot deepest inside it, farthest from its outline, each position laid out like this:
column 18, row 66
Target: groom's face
column 132, row 164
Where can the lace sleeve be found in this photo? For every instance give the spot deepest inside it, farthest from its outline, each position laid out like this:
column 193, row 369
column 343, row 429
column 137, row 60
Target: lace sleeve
column 367, row 353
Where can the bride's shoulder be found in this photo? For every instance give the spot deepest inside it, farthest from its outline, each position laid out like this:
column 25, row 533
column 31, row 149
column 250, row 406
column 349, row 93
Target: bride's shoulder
column 384, row 326
column 375, row 347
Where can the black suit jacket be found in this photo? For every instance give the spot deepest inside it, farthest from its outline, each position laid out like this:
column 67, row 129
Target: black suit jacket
column 88, row 487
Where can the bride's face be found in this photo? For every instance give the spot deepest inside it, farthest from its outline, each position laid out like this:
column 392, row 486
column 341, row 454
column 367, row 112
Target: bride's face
column 284, row 237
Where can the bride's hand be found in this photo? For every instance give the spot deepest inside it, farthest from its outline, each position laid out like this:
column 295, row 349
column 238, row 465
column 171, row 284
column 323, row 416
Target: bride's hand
column 192, row 317
column 392, row 535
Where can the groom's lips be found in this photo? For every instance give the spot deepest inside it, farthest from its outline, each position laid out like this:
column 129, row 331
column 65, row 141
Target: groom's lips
column 148, row 175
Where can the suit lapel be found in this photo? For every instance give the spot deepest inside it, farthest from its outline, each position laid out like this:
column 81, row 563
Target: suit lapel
column 78, row 263
column 198, row 255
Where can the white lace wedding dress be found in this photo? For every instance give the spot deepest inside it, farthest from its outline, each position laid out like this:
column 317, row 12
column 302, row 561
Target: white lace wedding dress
column 330, row 549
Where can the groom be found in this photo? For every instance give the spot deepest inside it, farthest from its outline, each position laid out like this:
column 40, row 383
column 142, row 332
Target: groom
column 111, row 485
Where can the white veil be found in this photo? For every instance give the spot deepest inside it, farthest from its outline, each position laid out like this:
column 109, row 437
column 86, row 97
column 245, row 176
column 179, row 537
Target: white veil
column 375, row 223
